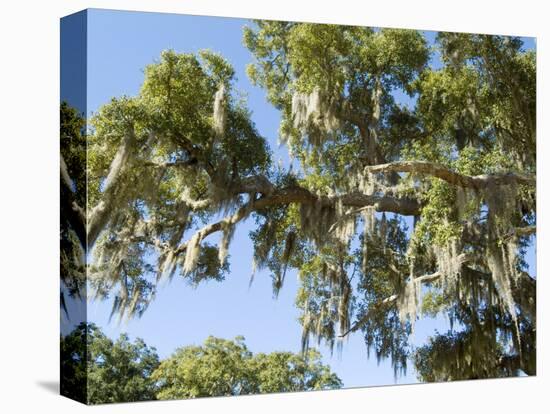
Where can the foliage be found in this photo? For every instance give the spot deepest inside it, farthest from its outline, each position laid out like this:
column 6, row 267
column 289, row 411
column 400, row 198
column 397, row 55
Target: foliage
column 73, row 367
column 471, row 354
column 458, row 160
column 226, row 367
column 155, row 143
column 73, row 188
column 106, row 371
column 456, row 121
column 97, row 370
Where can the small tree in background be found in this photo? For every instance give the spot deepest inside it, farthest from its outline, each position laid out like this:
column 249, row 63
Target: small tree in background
column 226, row 367
column 106, row 371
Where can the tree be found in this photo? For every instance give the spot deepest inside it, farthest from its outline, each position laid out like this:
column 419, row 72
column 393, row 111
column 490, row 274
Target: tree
column 394, row 212
column 73, row 356
column 99, row 371
column 72, row 197
column 223, row 367
column 463, row 355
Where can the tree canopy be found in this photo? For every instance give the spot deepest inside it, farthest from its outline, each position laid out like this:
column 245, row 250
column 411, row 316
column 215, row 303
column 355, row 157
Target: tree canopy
column 395, row 211
column 224, row 367
column 98, row 370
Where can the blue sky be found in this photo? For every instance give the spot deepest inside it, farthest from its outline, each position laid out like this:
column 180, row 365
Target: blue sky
column 120, row 45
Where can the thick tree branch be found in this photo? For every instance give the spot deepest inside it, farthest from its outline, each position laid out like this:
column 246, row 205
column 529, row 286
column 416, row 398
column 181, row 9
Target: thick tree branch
column 179, row 163
column 255, row 184
column 301, row 195
column 521, row 232
column 478, row 182
column 402, row 206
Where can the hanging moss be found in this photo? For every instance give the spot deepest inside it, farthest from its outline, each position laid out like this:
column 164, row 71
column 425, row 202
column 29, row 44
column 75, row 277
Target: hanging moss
column 167, row 266
column 502, row 250
column 120, row 161
column 220, row 114
column 448, row 263
column 345, row 226
column 192, row 253
column 314, row 114
column 409, row 303
column 227, row 235
column 316, row 220
column 326, row 299
column 290, row 244
column 364, row 182
column 344, row 305
column 369, row 219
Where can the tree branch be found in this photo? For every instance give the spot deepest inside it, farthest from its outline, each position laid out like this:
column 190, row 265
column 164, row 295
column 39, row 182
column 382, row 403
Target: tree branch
column 178, row 163
column 521, row 232
column 478, row 182
column 296, row 194
column 255, row 184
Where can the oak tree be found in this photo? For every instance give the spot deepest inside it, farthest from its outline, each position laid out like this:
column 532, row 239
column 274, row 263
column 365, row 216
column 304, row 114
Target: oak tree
column 395, row 211
column 226, row 367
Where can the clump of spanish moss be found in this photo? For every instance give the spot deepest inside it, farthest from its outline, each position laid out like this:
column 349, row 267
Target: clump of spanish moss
column 65, row 174
column 344, row 227
column 107, row 259
column 369, row 219
column 340, row 293
column 327, row 304
column 167, row 265
column 222, row 194
column 344, row 306
column 227, row 235
column 192, row 253
column 501, row 254
column 120, row 161
column 383, row 231
column 220, row 114
column 118, row 262
column 369, row 224
column 408, row 302
column 463, row 197
column 316, row 220
column 319, row 324
column 315, row 113
column 290, row 244
column 502, row 278
column 363, row 181
column 390, row 184
column 504, row 207
column 448, row 262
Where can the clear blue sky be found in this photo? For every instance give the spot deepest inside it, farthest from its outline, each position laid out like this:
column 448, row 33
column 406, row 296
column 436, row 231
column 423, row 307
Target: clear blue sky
column 120, row 45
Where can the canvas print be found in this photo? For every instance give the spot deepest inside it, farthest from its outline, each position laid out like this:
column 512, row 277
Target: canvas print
column 255, row 207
